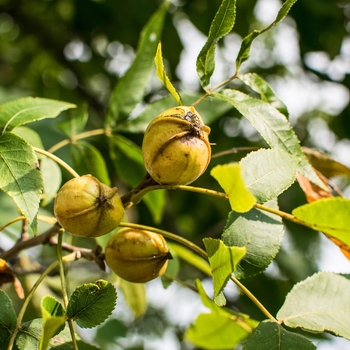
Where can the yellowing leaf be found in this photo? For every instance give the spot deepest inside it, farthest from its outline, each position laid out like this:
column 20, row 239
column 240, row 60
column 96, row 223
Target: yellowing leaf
column 161, row 74
column 223, row 261
column 230, row 179
column 329, row 215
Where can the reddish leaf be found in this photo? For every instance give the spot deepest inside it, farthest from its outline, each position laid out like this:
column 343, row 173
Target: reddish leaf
column 7, row 275
column 312, row 191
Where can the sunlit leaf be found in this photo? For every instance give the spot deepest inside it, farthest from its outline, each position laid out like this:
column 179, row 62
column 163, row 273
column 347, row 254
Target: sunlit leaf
column 329, row 215
column 91, row 303
column 244, row 51
column 221, row 329
column 221, row 25
column 160, row 70
column 273, row 126
column 53, row 320
column 87, row 159
column 267, row 173
column 270, row 335
column 213, row 332
column 223, row 261
column 260, row 232
column 321, row 303
column 230, row 179
column 29, row 109
column 20, row 178
column 130, row 88
column 261, row 86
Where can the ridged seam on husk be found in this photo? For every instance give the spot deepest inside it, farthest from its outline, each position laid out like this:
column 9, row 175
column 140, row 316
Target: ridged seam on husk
column 157, row 257
column 99, row 202
column 189, row 132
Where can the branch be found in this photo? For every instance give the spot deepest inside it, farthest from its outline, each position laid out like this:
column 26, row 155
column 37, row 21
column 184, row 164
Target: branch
column 44, row 238
column 88, row 254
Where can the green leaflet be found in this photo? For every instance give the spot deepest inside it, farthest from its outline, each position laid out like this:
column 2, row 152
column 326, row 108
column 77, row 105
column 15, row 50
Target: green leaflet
column 259, row 85
column 53, row 320
column 8, row 318
column 221, row 329
column 223, row 261
column 87, row 159
column 29, row 109
column 321, row 303
column 20, row 178
column 272, row 126
column 244, row 51
column 74, row 121
column 92, row 303
column 160, row 70
column 271, row 335
column 268, row 172
column 130, row 88
column 260, row 233
column 221, row 25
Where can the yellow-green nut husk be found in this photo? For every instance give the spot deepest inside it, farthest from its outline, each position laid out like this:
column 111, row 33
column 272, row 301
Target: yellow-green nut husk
column 175, row 148
column 86, row 207
column 137, row 256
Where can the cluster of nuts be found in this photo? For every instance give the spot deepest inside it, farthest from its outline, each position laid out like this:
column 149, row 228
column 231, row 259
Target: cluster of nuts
column 176, row 151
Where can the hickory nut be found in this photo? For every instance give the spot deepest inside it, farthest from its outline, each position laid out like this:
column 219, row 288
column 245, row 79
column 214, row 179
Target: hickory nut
column 86, row 207
column 137, row 255
column 175, row 148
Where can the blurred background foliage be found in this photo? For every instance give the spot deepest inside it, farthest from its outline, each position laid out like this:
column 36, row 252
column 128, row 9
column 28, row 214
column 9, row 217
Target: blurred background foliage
column 76, row 50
